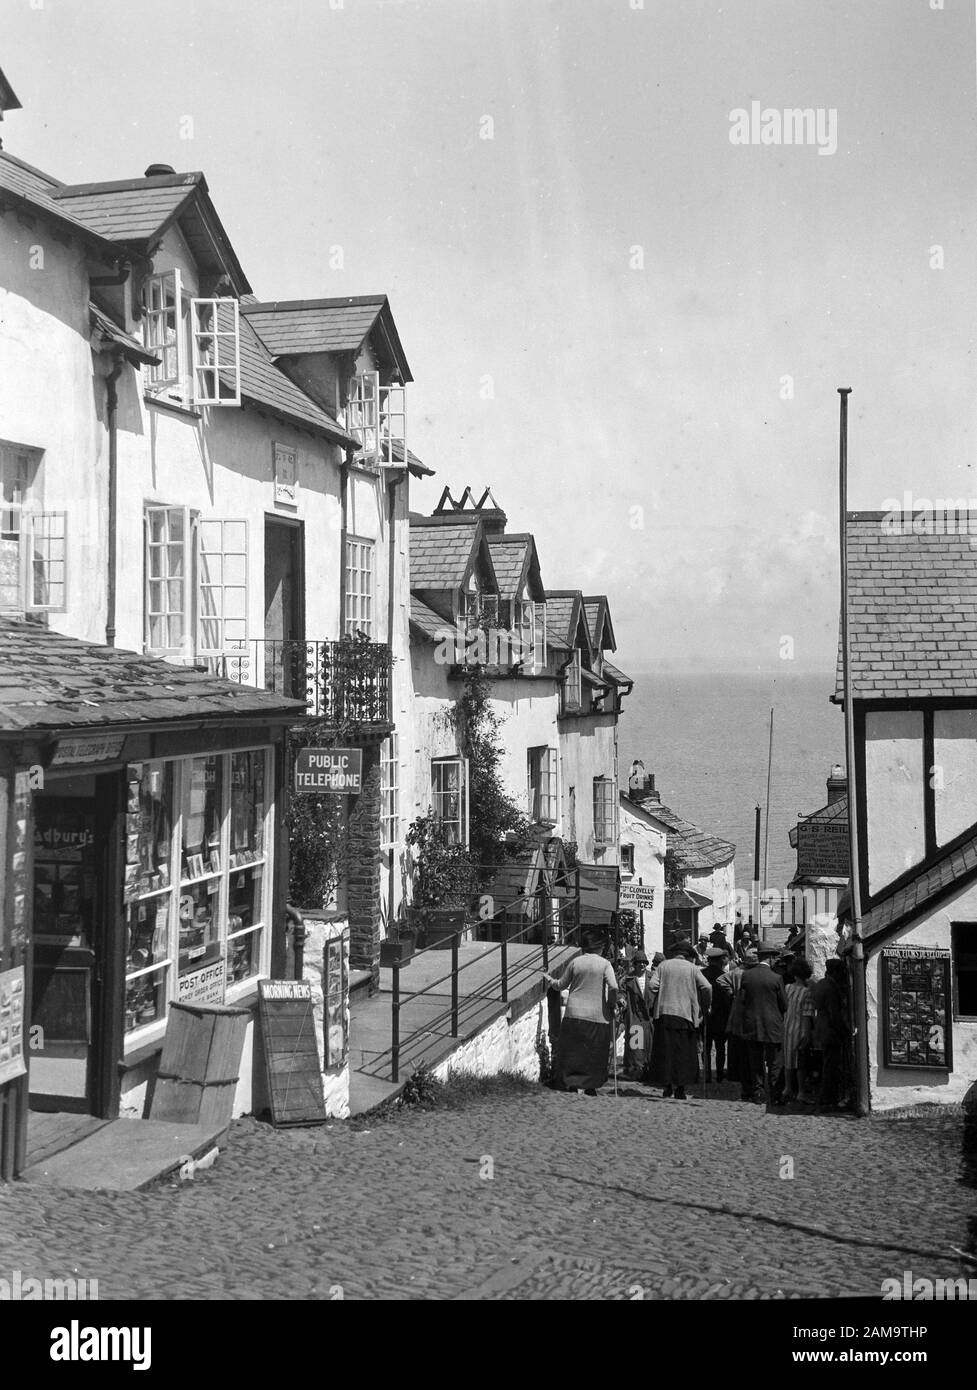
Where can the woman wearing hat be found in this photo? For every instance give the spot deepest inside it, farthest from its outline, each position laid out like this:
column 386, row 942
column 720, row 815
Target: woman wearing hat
column 583, row 1048
column 681, row 997
column 637, row 1018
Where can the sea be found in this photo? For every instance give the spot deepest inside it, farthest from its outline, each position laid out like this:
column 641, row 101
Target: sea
column 706, row 739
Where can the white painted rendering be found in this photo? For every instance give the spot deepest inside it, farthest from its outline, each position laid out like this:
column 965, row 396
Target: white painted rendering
column 954, row 771
column 894, row 791
column 891, row 1087
column 588, row 750
column 648, row 839
column 719, row 885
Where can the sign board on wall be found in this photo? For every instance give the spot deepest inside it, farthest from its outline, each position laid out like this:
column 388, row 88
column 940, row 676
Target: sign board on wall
column 637, row 897
column 291, row 1054
column 822, row 849
column 286, row 476
column 99, row 748
column 916, row 1020
column 329, row 770
column 12, row 1024
column 204, row 986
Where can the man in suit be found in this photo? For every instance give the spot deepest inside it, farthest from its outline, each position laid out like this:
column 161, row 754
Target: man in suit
column 764, row 1003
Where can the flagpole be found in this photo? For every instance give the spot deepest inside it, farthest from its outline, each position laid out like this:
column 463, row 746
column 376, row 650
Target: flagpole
column 859, row 1000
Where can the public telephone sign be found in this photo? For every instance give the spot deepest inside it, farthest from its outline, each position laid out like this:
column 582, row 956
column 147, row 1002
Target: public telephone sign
column 338, row 770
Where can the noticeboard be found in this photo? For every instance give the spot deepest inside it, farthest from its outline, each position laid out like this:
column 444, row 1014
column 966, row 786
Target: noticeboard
column 292, row 1068
column 639, row 897
column 822, row 849
column 917, row 1025
column 337, row 770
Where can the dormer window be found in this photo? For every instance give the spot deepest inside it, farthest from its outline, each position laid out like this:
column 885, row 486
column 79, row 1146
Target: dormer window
column 572, row 693
column 376, row 418
column 198, row 342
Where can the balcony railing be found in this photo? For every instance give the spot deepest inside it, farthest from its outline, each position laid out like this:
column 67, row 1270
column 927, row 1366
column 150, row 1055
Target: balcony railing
column 345, row 682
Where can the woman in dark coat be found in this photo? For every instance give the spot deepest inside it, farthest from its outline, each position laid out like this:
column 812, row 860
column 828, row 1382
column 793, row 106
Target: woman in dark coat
column 681, row 997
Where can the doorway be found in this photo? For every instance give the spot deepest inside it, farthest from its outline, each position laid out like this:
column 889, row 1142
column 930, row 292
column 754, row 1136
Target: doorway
column 285, row 660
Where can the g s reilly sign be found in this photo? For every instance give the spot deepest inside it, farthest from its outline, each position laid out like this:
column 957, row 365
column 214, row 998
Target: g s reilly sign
column 338, row 770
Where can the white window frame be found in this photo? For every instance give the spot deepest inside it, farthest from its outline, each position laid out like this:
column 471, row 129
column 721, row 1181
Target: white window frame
column 627, row 859
column 233, row 631
column 170, row 650
column 359, row 585
column 39, row 537
column 45, row 531
column 177, row 323
column 605, row 811
column 542, row 764
column 390, row 791
column 377, row 418
column 440, row 794
column 573, row 683
column 215, row 351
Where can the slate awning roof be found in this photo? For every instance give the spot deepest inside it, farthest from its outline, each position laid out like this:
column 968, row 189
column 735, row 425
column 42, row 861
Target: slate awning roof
column 912, row 607
column 264, row 385
column 293, row 327
column 132, row 349
column 49, row 681
column 836, row 810
column 693, row 849
column 682, row 899
column 611, row 672
column 955, row 870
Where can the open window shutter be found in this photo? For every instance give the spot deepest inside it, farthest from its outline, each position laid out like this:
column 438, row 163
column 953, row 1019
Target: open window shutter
column 45, row 541
column 222, row 596
column 215, row 341
column 393, row 426
column 363, row 414
column 168, row 556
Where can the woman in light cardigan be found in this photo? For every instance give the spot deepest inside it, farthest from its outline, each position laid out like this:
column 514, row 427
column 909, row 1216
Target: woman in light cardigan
column 680, row 996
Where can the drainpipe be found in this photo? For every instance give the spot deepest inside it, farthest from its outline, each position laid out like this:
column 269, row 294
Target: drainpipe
column 112, row 403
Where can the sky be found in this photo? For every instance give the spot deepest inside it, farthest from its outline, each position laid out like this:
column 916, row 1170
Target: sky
column 627, row 325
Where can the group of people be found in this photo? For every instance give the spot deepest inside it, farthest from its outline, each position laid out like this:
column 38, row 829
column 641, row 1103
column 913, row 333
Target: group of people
column 752, row 1014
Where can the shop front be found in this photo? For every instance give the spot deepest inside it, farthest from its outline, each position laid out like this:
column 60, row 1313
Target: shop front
column 142, row 825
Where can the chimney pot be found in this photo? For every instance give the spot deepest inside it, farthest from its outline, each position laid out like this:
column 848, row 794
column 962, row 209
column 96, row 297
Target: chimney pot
column 155, row 170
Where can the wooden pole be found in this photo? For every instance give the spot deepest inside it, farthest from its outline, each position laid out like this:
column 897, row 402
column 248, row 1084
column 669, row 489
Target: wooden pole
column 859, row 1001
column 766, row 828
column 755, row 905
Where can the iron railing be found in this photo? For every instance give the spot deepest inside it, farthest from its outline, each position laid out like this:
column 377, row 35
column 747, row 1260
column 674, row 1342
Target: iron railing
column 449, row 1022
column 341, row 682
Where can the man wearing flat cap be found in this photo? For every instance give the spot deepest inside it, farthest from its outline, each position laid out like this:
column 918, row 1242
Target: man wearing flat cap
column 763, row 1005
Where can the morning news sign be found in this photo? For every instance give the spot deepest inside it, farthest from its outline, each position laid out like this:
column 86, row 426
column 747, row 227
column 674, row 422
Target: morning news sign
column 339, row 770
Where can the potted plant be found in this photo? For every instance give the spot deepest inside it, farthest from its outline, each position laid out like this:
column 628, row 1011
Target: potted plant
column 398, row 948
column 445, row 883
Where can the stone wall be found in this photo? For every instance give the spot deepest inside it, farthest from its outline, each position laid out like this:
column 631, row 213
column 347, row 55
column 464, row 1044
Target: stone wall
column 363, row 899
column 506, row 1045
column 335, row 1079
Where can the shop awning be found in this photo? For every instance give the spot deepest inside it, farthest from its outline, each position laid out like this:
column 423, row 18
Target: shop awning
column 599, row 890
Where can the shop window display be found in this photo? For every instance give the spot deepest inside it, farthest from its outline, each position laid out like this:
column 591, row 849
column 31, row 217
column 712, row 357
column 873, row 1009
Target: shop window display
column 195, row 880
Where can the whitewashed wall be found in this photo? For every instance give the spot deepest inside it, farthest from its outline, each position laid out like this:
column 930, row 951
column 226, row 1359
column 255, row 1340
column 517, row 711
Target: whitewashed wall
column 649, row 842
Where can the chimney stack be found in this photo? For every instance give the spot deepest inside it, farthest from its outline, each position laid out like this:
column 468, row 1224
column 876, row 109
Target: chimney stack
column 837, row 784
column 641, row 783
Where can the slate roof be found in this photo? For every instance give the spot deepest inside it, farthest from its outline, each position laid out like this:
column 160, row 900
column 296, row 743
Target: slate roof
column 264, row 385
column 693, row 849
column 427, row 622
column 598, row 616
column 132, row 349
column 912, row 608
column 33, row 189
column 561, row 612
column 8, row 97
column 837, row 810
column 677, row 898
column 953, row 871
column 618, row 677
column 49, row 681
column 440, row 554
column 292, row 327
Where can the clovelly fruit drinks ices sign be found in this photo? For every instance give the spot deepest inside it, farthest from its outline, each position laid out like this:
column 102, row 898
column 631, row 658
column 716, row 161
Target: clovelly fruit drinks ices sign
column 337, row 770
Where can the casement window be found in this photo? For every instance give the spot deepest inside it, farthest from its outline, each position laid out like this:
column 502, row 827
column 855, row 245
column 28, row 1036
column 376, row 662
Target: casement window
column 197, row 883
column 376, row 417
column 390, row 791
column 572, row 692
column 197, row 340
column 605, row 807
column 33, row 542
column 222, row 587
column 541, row 776
column 627, row 859
column 529, row 629
column 963, row 956
column 449, row 798
column 358, row 615
column 196, row 586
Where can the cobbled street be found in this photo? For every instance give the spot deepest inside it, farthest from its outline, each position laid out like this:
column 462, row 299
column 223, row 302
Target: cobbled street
column 529, row 1195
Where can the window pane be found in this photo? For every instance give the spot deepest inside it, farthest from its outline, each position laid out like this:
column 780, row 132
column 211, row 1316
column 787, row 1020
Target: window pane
column 199, row 926
column 247, row 807
column 202, row 796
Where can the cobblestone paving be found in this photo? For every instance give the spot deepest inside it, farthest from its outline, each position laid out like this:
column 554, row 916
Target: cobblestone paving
column 633, row 1197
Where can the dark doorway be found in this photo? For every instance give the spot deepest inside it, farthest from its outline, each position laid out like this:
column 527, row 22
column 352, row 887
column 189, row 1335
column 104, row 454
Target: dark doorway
column 285, row 658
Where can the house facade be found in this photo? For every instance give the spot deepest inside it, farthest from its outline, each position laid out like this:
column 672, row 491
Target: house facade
column 913, row 661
